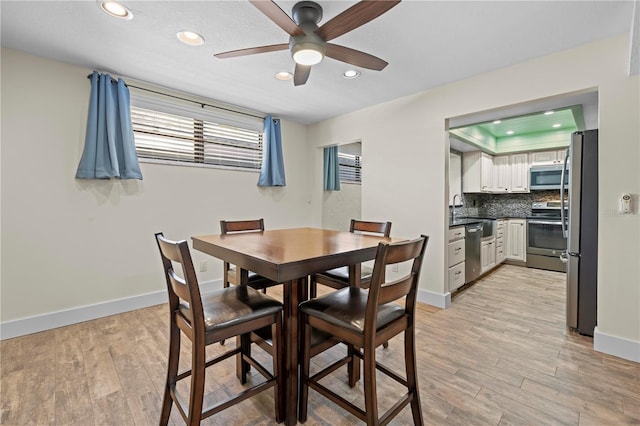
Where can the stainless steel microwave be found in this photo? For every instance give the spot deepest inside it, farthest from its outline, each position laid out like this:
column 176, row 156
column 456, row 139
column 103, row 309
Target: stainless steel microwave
column 547, row 177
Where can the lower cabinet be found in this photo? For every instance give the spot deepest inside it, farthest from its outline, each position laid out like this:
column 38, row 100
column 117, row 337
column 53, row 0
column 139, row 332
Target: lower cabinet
column 500, row 237
column 456, row 276
column 487, row 255
column 456, row 257
column 516, row 239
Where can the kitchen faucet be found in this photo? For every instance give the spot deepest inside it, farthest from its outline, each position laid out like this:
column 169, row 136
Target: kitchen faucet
column 454, row 204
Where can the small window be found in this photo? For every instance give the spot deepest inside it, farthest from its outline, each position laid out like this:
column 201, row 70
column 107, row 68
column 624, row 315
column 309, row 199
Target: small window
column 188, row 139
column 350, row 167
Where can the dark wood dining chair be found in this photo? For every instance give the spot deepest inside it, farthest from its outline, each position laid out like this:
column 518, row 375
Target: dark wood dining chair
column 339, row 277
column 206, row 319
column 230, row 272
column 366, row 319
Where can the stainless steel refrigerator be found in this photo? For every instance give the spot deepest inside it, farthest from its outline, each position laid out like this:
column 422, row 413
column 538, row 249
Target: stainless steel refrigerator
column 581, row 230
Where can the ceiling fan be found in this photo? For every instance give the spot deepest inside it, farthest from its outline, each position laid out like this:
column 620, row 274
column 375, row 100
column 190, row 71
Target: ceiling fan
column 309, row 44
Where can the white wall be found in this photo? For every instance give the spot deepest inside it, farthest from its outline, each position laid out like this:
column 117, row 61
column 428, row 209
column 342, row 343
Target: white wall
column 406, row 147
column 339, row 207
column 68, row 243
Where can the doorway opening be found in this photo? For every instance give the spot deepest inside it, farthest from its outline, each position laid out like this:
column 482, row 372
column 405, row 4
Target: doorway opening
column 339, row 207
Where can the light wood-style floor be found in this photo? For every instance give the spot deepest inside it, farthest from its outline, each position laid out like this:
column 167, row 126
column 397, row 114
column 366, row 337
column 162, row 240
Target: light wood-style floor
column 501, row 355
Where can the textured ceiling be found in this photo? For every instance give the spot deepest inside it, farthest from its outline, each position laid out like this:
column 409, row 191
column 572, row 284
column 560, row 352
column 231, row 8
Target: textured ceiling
column 427, row 44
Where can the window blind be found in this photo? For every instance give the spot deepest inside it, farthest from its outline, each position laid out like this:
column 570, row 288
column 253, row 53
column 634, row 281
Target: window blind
column 180, row 139
column 350, row 168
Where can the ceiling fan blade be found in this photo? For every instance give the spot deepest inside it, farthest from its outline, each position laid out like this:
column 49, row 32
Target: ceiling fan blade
column 301, row 74
column 355, row 57
column 277, row 15
column 354, row 17
column 252, row 50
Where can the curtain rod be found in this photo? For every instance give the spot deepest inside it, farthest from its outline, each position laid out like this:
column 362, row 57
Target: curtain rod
column 185, row 99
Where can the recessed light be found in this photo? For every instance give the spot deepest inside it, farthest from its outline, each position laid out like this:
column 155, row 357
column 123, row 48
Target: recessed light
column 548, row 113
column 351, row 74
column 497, row 122
column 190, row 38
column 115, row 9
column 284, row 75
column 555, row 126
column 510, row 132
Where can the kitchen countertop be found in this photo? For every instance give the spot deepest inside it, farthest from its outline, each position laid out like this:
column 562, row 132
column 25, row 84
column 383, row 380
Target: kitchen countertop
column 464, row 221
column 461, row 221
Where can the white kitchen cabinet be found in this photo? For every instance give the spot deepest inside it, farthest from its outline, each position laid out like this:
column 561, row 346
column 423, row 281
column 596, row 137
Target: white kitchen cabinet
column 560, row 154
column 456, row 252
column 477, row 168
column 500, row 238
column 544, row 157
column 456, row 257
column 501, row 174
column 456, row 276
column 516, row 239
column 487, row 255
column 519, row 172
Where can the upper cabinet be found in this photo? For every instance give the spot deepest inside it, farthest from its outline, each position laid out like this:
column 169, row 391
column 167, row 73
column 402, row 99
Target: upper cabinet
column 477, row 168
column 501, row 174
column 519, row 172
column 548, row 157
column 482, row 172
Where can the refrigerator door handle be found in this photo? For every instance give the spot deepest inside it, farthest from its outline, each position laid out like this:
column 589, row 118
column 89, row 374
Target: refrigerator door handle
column 562, row 205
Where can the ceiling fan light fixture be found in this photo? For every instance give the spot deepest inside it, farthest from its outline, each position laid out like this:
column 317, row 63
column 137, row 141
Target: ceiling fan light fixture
column 307, row 53
column 115, row 9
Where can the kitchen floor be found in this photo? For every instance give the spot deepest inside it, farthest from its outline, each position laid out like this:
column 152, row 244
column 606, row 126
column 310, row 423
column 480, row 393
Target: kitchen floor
column 500, row 355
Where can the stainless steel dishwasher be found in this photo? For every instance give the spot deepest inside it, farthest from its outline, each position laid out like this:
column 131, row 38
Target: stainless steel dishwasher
column 472, row 251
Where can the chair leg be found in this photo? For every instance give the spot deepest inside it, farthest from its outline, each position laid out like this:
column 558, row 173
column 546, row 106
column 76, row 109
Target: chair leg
column 385, row 344
column 172, row 372
column 242, row 367
column 225, row 284
column 370, row 388
column 313, row 287
column 303, row 396
column 353, row 367
column 412, row 379
column 196, row 394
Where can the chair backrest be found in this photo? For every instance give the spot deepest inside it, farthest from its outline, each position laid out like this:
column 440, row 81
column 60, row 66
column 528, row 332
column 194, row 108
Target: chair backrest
column 181, row 287
column 230, row 226
column 381, row 292
column 381, row 228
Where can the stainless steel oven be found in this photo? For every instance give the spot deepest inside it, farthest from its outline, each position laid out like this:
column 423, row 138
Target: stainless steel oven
column 545, row 239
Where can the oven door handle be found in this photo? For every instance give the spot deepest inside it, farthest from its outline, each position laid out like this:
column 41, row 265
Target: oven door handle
column 545, row 222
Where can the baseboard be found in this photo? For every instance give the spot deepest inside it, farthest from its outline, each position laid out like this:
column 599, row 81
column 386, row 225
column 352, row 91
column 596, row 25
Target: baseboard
column 616, row 346
column 35, row 324
column 434, row 299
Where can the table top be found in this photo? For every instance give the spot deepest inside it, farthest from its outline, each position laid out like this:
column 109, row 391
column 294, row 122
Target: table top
column 286, row 254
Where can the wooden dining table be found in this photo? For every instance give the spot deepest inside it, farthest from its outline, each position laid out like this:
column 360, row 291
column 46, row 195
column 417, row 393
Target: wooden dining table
column 289, row 256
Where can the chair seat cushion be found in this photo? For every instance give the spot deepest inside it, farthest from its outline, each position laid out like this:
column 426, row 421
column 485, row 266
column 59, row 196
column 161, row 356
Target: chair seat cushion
column 346, row 308
column 342, row 273
column 233, row 305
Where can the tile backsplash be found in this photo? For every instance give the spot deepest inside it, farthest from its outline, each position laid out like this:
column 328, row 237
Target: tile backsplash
column 502, row 205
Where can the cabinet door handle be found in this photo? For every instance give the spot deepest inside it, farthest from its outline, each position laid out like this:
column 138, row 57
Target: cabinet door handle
column 458, row 273
column 458, row 249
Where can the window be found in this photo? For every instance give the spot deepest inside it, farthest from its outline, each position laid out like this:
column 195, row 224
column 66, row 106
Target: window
column 350, row 167
column 194, row 137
